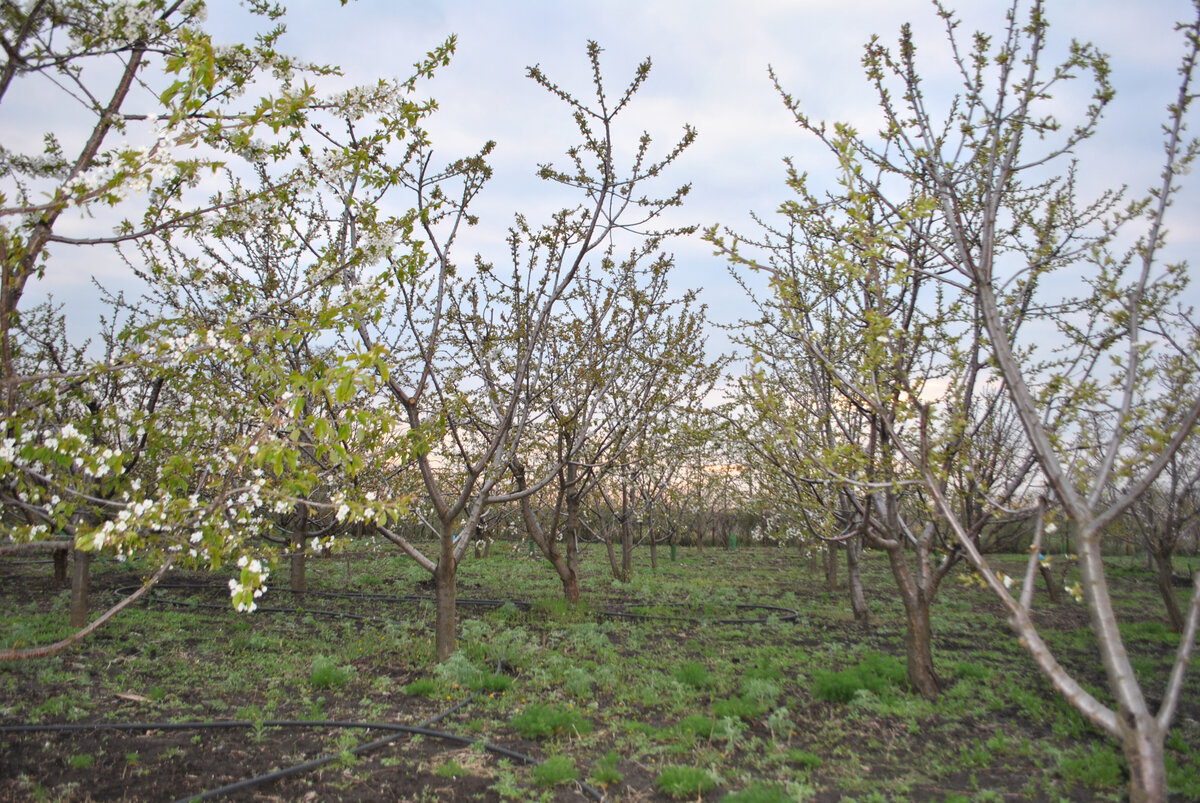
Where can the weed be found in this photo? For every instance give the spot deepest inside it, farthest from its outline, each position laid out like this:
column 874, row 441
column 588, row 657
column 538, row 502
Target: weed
column 325, row 674
column 81, row 761
column 875, row 672
column 451, row 769
column 421, row 687
column 1098, row 768
column 780, row 723
column 731, row 730
column 696, row 724
column 554, row 771
column 578, row 682
column 457, row 670
column 761, row 690
column 538, row 721
column 742, row 707
column 682, row 782
column 345, row 742
column 759, row 792
column 803, row 759
column 969, row 670
column 694, row 674
column 1183, row 777
column 604, row 771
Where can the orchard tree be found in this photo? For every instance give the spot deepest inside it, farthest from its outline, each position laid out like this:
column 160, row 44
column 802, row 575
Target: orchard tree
column 466, row 344
column 184, row 470
column 1015, row 244
column 625, row 358
column 853, row 339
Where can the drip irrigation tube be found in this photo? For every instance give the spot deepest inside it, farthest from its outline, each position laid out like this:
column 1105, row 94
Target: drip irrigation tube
column 781, row 613
column 396, row 731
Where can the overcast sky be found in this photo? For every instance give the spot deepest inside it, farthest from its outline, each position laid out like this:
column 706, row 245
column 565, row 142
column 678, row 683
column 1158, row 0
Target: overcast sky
column 710, row 70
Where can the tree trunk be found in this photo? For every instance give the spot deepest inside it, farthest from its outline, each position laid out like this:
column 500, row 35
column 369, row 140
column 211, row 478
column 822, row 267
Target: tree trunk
column 1052, row 586
column 566, row 571
column 79, row 587
column 298, row 577
column 653, row 543
column 831, row 564
column 858, row 599
column 918, row 633
column 445, row 596
column 60, row 566
column 1166, row 573
column 626, row 538
column 613, row 564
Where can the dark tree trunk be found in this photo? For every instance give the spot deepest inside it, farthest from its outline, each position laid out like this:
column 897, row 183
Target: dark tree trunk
column 79, row 587
column 60, row 566
column 918, row 633
column 566, row 568
column 445, row 592
column 626, row 538
column 1053, row 587
column 831, row 564
column 613, row 563
column 298, row 575
column 1165, row 576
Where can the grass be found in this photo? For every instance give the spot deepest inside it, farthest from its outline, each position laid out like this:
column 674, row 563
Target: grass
column 642, row 708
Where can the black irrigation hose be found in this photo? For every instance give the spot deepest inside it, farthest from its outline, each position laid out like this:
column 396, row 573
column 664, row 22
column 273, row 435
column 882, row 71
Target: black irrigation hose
column 782, row 614
column 397, row 731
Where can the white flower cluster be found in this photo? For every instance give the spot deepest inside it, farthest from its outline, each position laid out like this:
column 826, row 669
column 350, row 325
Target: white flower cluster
column 127, row 21
column 175, row 349
column 251, row 586
column 148, row 164
column 138, row 515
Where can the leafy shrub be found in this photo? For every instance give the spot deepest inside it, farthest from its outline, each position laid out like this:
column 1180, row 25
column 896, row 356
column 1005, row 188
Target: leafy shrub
column 682, row 782
column 604, row 771
column 539, row 721
column 325, row 674
column 694, row 674
column 554, row 771
column 759, row 792
column 876, row 673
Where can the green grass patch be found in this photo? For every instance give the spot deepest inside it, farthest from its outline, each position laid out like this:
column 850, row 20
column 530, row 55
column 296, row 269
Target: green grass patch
column 682, row 782
column 759, row 792
column 554, row 771
column 876, row 673
column 540, row 720
column 326, row 674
